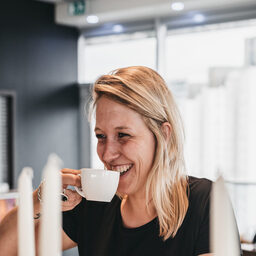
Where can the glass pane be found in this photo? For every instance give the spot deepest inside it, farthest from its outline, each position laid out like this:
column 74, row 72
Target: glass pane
column 190, row 53
column 206, row 73
column 103, row 56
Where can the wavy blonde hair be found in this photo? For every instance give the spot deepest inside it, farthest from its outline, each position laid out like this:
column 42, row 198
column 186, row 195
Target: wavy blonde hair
column 144, row 90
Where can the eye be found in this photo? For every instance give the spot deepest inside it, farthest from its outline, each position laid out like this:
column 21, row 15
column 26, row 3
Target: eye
column 122, row 135
column 100, row 136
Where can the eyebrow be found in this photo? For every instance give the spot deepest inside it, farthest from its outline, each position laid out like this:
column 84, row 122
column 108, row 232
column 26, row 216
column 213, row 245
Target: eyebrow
column 117, row 128
column 122, row 128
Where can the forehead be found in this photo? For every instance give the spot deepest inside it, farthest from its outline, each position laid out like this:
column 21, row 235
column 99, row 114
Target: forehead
column 111, row 113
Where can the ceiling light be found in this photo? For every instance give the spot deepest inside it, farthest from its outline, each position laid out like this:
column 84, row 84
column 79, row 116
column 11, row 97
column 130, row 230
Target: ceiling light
column 118, row 28
column 198, row 18
column 92, row 19
column 177, row 6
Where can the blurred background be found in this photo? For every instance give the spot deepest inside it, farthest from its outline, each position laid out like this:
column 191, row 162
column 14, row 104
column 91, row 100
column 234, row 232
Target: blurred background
column 52, row 51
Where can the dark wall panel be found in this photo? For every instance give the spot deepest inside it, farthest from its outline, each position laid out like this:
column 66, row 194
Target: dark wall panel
column 38, row 60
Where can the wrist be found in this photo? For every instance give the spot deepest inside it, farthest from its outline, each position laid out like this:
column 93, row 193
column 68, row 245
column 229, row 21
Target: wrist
column 36, row 203
column 37, row 199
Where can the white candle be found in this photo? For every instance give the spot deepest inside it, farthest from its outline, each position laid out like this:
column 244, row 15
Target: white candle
column 224, row 236
column 26, row 233
column 50, row 229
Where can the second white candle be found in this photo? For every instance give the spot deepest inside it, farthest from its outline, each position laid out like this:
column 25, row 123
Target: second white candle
column 50, row 231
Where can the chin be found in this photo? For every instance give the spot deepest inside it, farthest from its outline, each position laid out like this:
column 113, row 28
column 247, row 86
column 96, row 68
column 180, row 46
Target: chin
column 123, row 191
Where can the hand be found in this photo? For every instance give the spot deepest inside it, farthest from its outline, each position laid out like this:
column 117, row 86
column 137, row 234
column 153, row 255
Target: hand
column 70, row 177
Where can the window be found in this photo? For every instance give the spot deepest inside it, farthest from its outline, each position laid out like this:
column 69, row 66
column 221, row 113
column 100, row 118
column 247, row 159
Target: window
column 6, row 140
column 99, row 56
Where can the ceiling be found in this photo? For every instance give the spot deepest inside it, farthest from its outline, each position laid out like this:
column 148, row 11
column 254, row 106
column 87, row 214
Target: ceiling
column 138, row 10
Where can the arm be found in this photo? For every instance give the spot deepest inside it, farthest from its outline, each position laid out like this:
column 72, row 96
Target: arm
column 8, row 234
column 9, row 229
column 202, row 242
column 67, row 243
column 9, row 225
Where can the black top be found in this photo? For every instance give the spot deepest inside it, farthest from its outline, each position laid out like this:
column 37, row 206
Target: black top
column 98, row 230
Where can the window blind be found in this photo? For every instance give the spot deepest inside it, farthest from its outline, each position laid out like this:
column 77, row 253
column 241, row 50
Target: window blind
column 3, row 139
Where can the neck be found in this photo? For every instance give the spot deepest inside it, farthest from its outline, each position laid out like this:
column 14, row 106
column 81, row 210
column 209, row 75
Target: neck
column 134, row 211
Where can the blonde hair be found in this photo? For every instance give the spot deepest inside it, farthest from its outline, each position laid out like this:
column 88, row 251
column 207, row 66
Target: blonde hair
column 144, row 90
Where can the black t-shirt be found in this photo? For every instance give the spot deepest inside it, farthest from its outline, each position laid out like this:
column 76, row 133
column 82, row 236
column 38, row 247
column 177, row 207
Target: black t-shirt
column 98, row 230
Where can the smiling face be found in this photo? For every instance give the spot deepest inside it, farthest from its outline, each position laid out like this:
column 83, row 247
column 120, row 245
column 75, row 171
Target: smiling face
column 125, row 144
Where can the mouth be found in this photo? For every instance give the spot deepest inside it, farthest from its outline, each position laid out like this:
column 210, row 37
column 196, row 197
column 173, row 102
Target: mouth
column 122, row 168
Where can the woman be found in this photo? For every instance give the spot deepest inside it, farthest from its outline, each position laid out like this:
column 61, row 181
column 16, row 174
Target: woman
column 158, row 210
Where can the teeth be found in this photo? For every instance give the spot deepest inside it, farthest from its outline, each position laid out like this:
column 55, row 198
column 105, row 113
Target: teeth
column 122, row 168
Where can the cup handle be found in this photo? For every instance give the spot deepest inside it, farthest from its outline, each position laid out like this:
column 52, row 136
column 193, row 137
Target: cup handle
column 79, row 190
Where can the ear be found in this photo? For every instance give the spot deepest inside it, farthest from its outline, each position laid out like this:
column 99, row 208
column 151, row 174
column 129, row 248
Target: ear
column 166, row 129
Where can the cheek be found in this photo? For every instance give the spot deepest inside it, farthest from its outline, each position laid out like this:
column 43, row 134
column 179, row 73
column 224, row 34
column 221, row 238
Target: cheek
column 150, row 151
column 141, row 152
column 99, row 150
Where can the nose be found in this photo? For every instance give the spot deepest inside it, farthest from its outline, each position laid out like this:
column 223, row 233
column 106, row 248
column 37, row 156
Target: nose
column 111, row 151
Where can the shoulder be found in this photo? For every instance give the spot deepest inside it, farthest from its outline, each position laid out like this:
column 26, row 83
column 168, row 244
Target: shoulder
column 199, row 190
column 198, row 186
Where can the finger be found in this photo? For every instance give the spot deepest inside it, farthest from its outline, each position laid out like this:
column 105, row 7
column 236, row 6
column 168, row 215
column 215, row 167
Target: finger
column 73, row 200
column 73, row 171
column 71, row 179
column 72, row 195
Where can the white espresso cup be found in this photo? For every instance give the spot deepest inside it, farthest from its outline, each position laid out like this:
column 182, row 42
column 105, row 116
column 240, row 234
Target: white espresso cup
column 98, row 184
